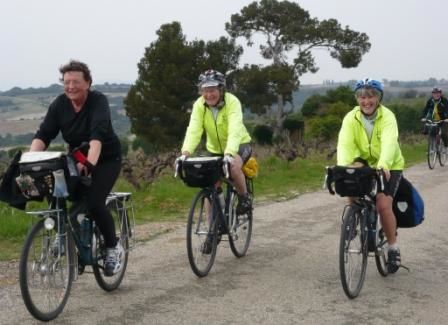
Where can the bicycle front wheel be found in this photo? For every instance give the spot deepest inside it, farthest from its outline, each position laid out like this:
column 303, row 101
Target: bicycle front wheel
column 442, row 152
column 432, row 152
column 202, row 238
column 381, row 252
column 240, row 228
column 122, row 227
column 353, row 251
column 46, row 271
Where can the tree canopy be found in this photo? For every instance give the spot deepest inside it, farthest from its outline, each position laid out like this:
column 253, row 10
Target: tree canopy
column 159, row 101
column 290, row 30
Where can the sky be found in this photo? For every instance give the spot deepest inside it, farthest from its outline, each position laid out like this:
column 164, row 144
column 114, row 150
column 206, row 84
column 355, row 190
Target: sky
column 408, row 37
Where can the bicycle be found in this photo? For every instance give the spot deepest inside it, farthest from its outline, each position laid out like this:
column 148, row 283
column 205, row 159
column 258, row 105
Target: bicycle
column 436, row 147
column 361, row 231
column 62, row 243
column 213, row 212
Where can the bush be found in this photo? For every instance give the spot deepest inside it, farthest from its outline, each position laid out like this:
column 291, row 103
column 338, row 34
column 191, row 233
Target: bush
column 263, row 134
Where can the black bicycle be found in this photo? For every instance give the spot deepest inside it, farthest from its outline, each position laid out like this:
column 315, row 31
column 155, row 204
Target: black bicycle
column 213, row 212
column 436, row 148
column 361, row 231
column 62, row 242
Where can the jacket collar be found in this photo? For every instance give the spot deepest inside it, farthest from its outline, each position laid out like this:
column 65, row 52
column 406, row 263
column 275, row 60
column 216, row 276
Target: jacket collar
column 358, row 112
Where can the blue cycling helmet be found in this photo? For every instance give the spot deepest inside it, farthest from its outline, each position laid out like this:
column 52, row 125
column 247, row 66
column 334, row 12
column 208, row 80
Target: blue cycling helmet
column 212, row 78
column 369, row 83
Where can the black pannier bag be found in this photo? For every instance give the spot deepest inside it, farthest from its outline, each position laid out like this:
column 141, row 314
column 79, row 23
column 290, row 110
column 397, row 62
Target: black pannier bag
column 408, row 205
column 42, row 175
column 353, row 182
column 201, row 171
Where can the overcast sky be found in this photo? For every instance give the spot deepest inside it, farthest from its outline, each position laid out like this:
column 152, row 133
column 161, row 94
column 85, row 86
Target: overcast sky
column 409, row 37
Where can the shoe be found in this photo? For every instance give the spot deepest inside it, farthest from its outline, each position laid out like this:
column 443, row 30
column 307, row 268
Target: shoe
column 393, row 260
column 113, row 260
column 58, row 246
column 244, row 204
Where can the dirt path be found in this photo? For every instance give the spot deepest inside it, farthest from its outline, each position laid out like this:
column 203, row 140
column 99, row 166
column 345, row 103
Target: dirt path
column 290, row 275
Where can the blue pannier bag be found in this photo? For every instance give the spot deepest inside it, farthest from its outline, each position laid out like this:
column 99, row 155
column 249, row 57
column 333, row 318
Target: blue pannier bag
column 408, row 205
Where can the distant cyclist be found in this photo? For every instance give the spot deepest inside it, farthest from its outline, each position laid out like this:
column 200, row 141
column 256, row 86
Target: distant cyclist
column 369, row 136
column 436, row 109
column 219, row 114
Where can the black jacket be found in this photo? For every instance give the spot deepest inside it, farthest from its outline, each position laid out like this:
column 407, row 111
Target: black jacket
column 429, row 108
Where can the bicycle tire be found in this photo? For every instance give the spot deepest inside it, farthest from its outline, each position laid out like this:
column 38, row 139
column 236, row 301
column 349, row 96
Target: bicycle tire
column 240, row 228
column 441, row 152
column 46, row 278
column 202, row 231
column 432, row 152
column 121, row 220
column 353, row 248
column 381, row 252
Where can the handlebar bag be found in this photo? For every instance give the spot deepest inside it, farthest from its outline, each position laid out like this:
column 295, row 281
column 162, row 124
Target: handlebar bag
column 201, row 171
column 42, row 174
column 354, row 182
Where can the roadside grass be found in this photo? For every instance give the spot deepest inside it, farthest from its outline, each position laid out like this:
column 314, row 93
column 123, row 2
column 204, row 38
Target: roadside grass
column 168, row 199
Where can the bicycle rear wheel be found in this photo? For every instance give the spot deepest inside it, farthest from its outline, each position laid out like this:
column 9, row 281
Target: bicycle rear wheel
column 121, row 221
column 441, row 151
column 353, row 251
column 46, row 271
column 432, row 152
column 240, row 228
column 202, row 239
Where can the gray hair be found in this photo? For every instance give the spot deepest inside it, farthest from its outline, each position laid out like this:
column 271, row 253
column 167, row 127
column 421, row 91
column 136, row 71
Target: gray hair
column 368, row 92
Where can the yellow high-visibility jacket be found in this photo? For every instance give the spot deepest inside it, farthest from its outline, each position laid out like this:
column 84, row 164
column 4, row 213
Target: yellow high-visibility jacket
column 383, row 149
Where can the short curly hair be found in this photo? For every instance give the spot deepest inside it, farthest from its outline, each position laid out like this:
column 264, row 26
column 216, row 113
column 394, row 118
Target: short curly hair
column 74, row 65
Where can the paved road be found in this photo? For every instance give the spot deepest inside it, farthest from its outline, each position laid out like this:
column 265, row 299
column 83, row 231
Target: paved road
column 290, row 275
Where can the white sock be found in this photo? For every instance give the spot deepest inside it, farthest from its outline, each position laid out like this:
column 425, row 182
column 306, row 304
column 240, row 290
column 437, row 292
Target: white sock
column 394, row 247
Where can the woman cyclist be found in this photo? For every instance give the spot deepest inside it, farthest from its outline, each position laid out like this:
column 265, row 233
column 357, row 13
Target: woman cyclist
column 82, row 115
column 219, row 114
column 369, row 136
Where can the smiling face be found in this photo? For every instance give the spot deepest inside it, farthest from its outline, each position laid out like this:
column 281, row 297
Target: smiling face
column 368, row 100
column 75, row 86
column 212, row 95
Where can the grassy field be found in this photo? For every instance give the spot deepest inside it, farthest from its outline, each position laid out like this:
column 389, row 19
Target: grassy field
column 168, row 199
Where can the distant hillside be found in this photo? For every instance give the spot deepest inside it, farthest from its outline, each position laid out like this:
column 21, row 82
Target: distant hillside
column 22, row 110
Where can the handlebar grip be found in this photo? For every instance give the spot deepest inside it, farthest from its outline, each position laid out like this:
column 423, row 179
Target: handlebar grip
column 225, row 167
column 79, row 156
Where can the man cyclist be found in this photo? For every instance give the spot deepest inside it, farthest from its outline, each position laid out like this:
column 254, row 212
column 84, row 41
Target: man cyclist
column 436, row 109
column 369, row 136
column 219, row 114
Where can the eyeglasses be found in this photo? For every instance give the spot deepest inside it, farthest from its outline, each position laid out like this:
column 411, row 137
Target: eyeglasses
column 68, row 83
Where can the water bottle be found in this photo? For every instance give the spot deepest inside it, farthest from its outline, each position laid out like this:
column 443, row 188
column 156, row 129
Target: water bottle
column 221, row 198
column 85, row 229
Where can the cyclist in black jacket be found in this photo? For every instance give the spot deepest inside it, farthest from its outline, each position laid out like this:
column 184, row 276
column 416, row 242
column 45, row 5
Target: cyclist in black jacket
column 436, row 109
column 83, row 115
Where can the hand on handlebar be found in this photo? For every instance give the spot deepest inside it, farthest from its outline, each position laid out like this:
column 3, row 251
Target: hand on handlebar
column 227, row 162
column 177, row 163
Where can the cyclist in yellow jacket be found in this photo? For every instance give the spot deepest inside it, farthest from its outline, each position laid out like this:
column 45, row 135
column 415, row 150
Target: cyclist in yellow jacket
column 219, row 114
column 369, row 136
